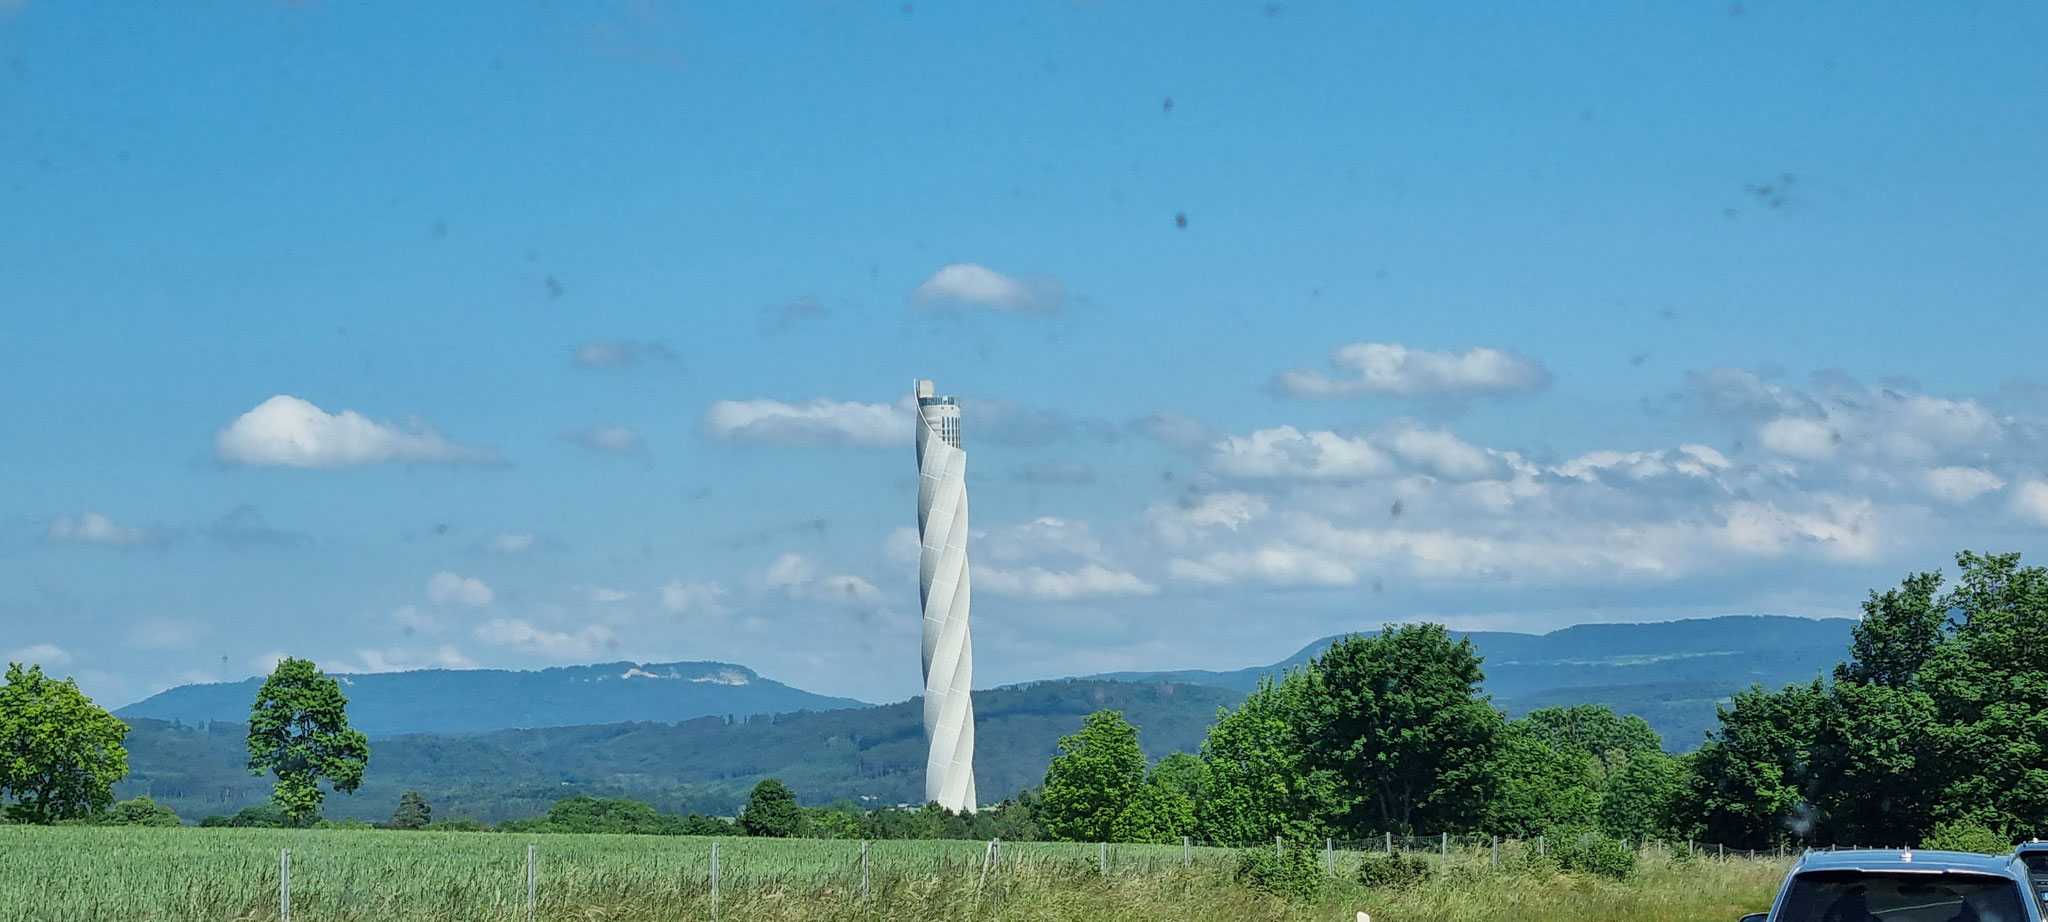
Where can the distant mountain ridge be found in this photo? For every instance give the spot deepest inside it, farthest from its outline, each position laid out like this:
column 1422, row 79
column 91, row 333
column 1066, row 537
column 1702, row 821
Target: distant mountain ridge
column 1670, row 672
column 476, row 700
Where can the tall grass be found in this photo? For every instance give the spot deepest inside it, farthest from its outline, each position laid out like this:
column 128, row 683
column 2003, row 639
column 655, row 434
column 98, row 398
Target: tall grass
column 76, row 874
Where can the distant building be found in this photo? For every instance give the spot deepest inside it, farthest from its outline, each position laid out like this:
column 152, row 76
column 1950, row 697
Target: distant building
column 943, row 590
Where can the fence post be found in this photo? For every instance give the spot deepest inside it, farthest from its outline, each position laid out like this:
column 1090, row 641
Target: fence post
column 1330, row 855
column 1278, row 850
column 1722, row 851
column 1496, row 851
column 1102, row 858
column 1542, row 845
column 714, row 882
column 1447, row 848
column 284, row 884
column 1186, row 852
column 1390, row 843
column 532, row 880
column 863, row 872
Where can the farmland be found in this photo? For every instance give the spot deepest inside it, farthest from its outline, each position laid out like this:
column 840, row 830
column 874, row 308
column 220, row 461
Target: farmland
column 84, row 874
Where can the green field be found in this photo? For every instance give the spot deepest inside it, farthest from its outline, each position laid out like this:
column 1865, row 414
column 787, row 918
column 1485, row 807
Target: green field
column 84, row 874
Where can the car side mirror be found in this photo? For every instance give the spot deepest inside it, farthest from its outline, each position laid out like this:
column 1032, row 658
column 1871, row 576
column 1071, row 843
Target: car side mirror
column 1756, row 917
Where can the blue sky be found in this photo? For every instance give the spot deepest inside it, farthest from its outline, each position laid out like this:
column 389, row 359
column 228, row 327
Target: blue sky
column 398, row 335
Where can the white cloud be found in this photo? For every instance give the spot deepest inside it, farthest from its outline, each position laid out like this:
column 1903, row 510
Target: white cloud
column 605, row 595
column 520, row 635
column 694, row 598
column 1443, row 454
column 286, row 431
column 617, row 440
column 93, row 528
column 1389, row 368
column 817, row 422
column 510, row 542
column 395, row 660
column 1808, row 439
column 794, row 576
column 976, row 285
column 1286, row 452
column 1961, row 484
column 902, row 547
column 1180, row 523
column 1086, row 581
column 445, row 587
column 2030, row 499
column 1280, row 564
column 47, row 654
column 614, row 354
column 266, row 663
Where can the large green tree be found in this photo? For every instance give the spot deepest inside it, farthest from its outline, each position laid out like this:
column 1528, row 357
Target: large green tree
column 60, row 754
column 772, row 811
column 1535, row 786
column 1259, row 784
column 299, row 732
column 1093, row 780
column 1398, row 721
column 1749, row 789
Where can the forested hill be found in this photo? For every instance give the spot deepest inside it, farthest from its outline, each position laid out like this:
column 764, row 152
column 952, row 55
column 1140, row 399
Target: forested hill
column 1672, row 673
column 874, row 755
column 473, row 700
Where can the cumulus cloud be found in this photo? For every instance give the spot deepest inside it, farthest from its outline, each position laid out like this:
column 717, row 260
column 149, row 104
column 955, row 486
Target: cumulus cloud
column 1286, row 452
column 2030, row 500
column 96, row 528
column 617, row 440
column 796, row 577
column 46, row 654
column 397, row 660
column 518, row 634
column 902, row 546
column 1085, row 581
column 1280, row 564
column 617, row 353
column 286, row 431
column 1372, row 369
column 605, row 595
column 1961, row 484
column 445, row 587
column 975, row 285
column 1183, row 522
column 683, row 598
column 816, row 422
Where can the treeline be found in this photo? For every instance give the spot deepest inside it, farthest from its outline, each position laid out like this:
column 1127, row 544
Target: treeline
column 1382, row 734
column 1933, row 730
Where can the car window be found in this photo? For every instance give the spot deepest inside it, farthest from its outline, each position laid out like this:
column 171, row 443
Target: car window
column 1863, row 896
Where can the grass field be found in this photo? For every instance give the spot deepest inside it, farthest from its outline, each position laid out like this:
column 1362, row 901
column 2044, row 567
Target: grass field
column 82, row 874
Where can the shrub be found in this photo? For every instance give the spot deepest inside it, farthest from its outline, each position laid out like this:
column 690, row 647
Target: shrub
column 1297, row 874
column 458, row 824
column 1966, row 836
column 140, row 811
column 1586, row 851
column 1395, row 870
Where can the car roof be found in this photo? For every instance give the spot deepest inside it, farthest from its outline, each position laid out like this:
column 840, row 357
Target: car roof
column 2030, row 847
column 1911, row 861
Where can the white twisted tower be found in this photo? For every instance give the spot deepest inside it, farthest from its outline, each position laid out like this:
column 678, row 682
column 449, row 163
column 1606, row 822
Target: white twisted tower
column 943, row 589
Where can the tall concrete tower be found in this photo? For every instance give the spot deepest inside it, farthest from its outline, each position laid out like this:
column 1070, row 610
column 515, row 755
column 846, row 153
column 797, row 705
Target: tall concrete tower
column 942, row 587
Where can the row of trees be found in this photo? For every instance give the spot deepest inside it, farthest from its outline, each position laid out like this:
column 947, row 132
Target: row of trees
column 61, row 754
column 1935, row 727
column 1938, row 718
column 1383, row 733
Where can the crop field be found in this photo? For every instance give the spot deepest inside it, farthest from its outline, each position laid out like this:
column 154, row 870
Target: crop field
column 84, row 874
